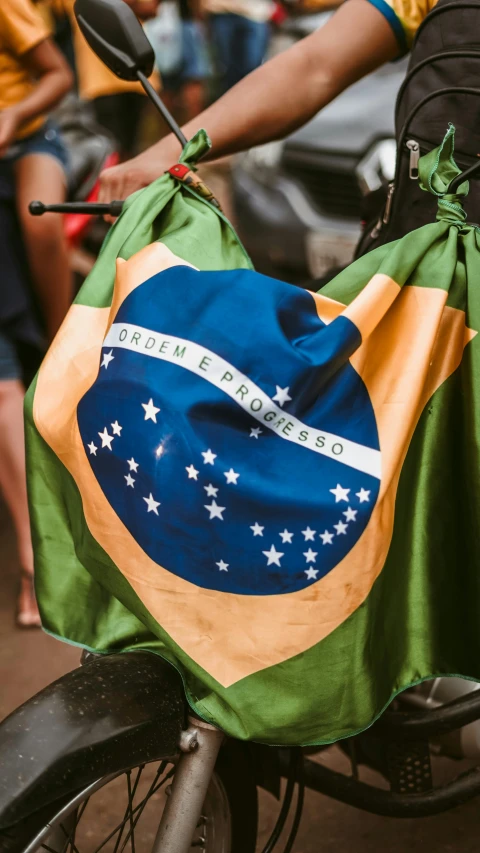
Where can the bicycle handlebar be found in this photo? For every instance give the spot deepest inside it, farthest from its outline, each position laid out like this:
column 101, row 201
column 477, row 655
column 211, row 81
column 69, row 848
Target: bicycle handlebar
column 113, row 208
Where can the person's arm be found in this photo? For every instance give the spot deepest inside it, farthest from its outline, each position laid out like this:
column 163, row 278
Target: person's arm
column 54, row 79
column 278, row 97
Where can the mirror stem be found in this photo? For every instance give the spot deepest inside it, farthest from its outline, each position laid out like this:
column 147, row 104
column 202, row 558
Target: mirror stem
column 155, row 98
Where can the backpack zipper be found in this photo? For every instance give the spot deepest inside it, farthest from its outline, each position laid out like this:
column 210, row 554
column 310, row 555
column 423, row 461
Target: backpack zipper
column 413, row 146
column 385, row 216
column 417, row 148
column 388, row 203
column 414, row 149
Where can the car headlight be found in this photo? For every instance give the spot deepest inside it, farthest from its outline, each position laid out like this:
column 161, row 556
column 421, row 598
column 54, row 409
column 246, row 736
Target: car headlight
column 378, row 166
column 263, row 160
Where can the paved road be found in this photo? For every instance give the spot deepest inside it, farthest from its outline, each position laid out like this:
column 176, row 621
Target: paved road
column 30, row 660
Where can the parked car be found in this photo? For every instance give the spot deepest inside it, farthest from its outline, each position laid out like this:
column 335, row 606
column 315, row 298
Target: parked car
column 299, row 202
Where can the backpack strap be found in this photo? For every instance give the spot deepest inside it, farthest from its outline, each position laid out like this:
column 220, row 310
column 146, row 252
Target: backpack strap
column 443, row 6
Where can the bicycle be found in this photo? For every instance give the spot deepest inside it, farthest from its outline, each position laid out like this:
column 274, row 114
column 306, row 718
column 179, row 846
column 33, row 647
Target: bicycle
column 122, row 721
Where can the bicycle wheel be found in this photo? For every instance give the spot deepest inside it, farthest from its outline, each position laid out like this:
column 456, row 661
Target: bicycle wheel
column 122, row 813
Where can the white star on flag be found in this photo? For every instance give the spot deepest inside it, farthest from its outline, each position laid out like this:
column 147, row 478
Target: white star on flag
column 215, row 510
column 116, row 428
column 350, row 514
column 132, row 464
column 311, row 573
column 340, row 493
column 309, row 534
column 152, row 504
column 286, row 537
column 208, row 457
column 211, row 491
column 92, row 448
column 231, row 476
column 192, row 472
column 257, row 530
column 282, row 396
column 255, row 432
column 159, row 451
column 310, row 556
column 222, row 566
column 273, row 556
column 107, row 358
column 106, row 439
column 150, row 411
column 363, row 495
column 327, row 538
column 341, row 528
column 130, row 480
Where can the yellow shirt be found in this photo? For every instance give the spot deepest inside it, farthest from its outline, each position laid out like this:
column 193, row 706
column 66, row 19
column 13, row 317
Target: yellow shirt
column 405, row 17
column 21, row 29
column 94, row 78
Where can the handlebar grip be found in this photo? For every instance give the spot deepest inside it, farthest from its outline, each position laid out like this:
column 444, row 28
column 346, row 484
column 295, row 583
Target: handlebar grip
column 113, row 208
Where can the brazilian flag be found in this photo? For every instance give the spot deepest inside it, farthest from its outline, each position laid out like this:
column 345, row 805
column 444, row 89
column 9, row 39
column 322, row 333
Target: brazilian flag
column 275, row 490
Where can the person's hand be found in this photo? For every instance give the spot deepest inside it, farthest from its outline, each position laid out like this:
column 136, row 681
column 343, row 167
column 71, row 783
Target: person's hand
column 121, row 181
column 8, row 129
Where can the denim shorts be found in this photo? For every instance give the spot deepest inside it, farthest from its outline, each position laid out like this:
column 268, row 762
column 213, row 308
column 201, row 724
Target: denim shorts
column 47, row 140
column 10, row 367
column 195, row 61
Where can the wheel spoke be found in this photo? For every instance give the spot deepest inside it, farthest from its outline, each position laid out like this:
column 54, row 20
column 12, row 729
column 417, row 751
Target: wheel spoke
column 130, row 814
column 82, row 809
column 138, row 808
column 120, row 833
column 73, row 833
column 69, row 837
column 72, row 830
column 124, row 832
column 153, row 789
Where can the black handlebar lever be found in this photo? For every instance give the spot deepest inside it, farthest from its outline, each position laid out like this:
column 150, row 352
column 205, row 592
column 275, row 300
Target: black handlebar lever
column 468, row 173
column 113, row 208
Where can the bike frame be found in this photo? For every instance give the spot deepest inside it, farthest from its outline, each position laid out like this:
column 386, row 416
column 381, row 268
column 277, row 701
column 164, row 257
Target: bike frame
column 158, row 718
column 407, row 729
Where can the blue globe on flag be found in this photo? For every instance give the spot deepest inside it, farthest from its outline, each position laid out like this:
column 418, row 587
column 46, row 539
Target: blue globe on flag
column 240, row 451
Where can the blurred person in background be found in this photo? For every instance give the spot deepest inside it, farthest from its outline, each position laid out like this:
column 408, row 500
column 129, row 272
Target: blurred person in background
column 240, row 31
column 58, row 19
column 34, row 77
column 118, row 105
column 184, row 90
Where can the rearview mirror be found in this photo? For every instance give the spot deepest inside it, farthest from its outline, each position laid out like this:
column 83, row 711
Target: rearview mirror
column 115, row 34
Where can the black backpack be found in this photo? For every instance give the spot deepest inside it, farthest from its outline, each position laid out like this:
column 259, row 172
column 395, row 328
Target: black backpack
column 442, row 85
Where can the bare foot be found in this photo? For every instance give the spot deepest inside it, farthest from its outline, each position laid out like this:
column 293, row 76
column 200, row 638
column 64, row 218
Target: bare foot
column 27, row 610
